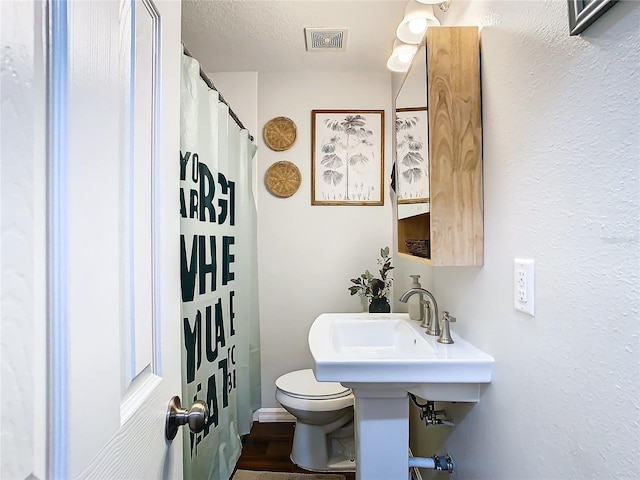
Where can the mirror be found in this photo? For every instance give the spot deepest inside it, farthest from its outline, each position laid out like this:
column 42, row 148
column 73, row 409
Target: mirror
column 412, row 140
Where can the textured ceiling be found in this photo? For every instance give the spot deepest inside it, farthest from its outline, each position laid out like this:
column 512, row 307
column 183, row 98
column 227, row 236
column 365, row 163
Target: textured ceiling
column 268, row 36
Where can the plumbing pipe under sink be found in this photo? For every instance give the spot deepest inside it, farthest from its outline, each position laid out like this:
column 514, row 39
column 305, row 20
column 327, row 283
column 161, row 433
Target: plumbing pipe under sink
column 439, row 463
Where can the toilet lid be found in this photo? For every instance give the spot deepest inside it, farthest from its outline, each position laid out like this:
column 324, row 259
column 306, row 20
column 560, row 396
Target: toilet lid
column 303, row 384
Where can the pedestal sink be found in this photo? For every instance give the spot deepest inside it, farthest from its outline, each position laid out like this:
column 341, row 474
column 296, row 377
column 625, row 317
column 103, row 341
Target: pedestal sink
column 383, row 357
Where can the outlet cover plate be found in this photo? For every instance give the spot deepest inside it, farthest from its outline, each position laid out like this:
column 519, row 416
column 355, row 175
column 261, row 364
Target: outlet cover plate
column 523, row 283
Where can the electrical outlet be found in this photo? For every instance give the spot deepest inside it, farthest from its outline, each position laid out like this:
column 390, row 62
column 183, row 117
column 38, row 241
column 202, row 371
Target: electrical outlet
column 523, row 283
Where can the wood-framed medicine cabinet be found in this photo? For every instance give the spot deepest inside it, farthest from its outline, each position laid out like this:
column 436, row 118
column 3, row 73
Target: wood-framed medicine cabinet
column 446, row 209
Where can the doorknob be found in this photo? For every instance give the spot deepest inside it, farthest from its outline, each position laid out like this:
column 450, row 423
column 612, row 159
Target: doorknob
column 196, row 417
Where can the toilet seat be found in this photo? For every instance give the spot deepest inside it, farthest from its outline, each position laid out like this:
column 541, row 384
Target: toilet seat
column 303, row 384
column 301, row 390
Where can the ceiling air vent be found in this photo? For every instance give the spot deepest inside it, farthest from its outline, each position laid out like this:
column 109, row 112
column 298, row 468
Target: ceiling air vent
column 325, row 39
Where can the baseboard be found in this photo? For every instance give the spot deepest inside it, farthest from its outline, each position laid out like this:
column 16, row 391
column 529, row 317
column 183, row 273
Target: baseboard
column 266, row 415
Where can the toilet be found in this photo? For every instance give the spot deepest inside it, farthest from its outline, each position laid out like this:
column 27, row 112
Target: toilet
column 323, row 439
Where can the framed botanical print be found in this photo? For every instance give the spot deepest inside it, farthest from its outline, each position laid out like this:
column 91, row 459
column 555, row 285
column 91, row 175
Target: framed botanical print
column 347, row 158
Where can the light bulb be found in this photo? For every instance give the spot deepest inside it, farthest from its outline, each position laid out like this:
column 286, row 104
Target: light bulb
column 418, row 25
column 417, row 18
column 405, row 57
column 401, row 56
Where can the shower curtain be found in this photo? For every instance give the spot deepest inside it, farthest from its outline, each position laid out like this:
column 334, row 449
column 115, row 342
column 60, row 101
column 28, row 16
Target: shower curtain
column 218, row 257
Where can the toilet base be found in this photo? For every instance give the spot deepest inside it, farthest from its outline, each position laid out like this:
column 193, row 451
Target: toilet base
column 316, row 451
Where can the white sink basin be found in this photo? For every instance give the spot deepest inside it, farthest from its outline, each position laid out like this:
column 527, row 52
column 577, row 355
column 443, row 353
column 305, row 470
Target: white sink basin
column 382, row 338
column 362, row 348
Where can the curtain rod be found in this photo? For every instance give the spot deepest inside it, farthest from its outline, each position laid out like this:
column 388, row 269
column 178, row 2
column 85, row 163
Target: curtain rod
column 212, row 86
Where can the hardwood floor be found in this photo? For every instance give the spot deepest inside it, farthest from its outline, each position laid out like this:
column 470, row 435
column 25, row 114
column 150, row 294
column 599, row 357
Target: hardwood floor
column 268, row 447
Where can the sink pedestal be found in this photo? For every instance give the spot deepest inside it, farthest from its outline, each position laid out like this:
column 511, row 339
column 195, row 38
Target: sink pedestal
column 382, row 431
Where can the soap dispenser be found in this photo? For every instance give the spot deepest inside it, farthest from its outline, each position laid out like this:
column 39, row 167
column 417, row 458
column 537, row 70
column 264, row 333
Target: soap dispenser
column 416, row 308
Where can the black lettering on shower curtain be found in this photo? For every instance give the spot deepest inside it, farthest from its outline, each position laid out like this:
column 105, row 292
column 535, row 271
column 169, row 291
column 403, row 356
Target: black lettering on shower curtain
column 206, row 264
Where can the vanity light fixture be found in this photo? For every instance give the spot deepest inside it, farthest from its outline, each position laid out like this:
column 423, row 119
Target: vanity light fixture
column 443, row 4
column 417, row 18
column 401, row 56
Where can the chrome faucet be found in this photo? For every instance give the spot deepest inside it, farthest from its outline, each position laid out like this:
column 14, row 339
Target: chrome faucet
column 433, row 322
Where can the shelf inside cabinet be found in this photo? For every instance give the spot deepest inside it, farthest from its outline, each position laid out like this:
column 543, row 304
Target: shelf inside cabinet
column 408, row 256
column 416, row 227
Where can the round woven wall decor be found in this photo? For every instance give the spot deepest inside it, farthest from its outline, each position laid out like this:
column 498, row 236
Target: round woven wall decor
column 280, row 133
column 283, row 179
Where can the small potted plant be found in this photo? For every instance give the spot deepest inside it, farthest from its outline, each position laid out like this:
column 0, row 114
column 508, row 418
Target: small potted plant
column 375, row 289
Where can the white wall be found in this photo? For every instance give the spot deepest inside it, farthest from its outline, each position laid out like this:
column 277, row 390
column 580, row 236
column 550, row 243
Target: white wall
column 307, row 254
column 561, row 121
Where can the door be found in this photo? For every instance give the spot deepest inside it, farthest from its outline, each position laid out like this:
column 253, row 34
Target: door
column 104, row 267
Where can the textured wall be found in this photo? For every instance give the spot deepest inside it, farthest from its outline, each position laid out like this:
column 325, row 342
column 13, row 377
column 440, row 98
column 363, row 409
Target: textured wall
column 561, row 120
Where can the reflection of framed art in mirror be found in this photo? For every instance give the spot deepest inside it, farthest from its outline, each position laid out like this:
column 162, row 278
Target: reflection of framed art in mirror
column 412, row 155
